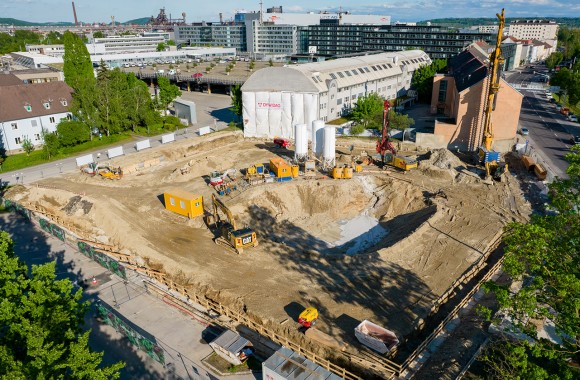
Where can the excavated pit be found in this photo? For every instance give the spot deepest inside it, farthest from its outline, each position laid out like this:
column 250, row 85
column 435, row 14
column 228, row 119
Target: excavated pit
column 379, row 246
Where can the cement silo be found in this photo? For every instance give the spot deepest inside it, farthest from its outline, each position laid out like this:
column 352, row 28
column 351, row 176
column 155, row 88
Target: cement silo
column 317, row 138
column 329, row 150
column 300, row 142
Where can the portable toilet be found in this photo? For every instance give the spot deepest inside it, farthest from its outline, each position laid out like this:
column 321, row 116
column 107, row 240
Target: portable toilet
column 183, row 203
column 295, row 170
column 281, row 169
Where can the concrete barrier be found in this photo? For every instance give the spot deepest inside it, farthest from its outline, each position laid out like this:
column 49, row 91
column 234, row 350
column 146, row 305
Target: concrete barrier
column 115, row 152
column 140, row 145
column 167, row 138
column 86, row 159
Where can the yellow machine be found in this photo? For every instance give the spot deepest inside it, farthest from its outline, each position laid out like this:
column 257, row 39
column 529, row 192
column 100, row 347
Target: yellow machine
column 401, row 162
column 110, row 173
column 226, row 230
column 257, row 169
column 344, row 172
column 487, row 155
column 308, row 317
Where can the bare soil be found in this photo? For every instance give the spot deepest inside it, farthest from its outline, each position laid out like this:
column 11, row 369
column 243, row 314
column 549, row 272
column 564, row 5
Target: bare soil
column 431, row 239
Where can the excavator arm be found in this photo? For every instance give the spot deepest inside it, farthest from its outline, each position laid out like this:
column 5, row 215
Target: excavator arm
column 384, row 144
column 219, row 205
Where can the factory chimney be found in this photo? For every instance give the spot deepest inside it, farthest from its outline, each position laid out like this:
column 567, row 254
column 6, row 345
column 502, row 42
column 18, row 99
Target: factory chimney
column 75, row 14
column 221, row 18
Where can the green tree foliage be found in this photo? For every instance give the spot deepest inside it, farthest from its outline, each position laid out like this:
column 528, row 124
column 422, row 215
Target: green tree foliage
column 72, row 132
column 17, row 42
column 554, row 59
column 167, row 92
column 422, row 80
column 53, row 38
column 270, row 62
column 161, row 46
column 98, row 34
column 237, row 106
column 569, row 40
column 569, row 82
column 357, row 129
column 41, row 319
column 399, row 121
column 27, row 145
column 51, row 143
column 545, row 255
column 170, row 43
column 368, row 111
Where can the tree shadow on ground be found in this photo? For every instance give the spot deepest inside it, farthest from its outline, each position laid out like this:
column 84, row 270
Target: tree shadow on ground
column 391, row 295
column 34, row 247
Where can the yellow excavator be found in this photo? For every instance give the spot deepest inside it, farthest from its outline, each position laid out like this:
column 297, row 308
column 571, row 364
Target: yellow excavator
column 228, row 234
column 489, row 157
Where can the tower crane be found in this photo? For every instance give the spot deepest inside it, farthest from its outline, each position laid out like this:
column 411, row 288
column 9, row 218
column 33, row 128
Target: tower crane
column 490, row 157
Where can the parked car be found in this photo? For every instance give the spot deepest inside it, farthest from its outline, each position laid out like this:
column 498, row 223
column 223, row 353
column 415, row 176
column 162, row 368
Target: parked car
column 525, row 131
column 573, row 118
column 576, row 140
column 558, row 107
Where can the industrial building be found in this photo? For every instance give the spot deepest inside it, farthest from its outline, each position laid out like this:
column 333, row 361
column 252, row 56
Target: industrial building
column 125, row 44
column 543, row 30
column 277, row 98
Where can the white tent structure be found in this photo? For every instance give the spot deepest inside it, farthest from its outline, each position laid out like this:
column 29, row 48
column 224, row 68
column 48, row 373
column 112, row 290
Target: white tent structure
column 275, row 99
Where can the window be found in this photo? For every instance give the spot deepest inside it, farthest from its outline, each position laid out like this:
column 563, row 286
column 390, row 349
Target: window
column 182, row 204
column 367, row 69
column 348, row 73
column 442, row 91
column 339, row 101
column 64, row 102
column 340, row 74
column 332, row 75
column 46, row 105
column 320, row 80
column 354, row 72
column 172, row 201
column 14, row 126
column 374, row 68
column 51, row 119
column 17, row 140
column 353, row 97
column 196, row 204
column 361, row 71
column 33, row 123
column 37, row 137
column 28, row 108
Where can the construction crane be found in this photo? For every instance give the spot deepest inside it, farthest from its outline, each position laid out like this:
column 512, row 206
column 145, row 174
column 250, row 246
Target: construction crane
column 226, row 229
column 384, row 144
column 489, row 157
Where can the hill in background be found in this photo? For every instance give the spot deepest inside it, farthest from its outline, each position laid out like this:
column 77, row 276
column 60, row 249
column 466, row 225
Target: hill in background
column 16, row 22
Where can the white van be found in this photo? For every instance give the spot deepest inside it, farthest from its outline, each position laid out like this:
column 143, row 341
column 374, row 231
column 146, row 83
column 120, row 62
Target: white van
column 160, row 71
column 171, row 72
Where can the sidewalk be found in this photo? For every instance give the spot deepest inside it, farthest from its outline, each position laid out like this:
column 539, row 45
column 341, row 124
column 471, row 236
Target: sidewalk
column 183, row 338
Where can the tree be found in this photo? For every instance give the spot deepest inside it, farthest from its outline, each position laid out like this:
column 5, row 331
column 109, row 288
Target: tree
column 252, row 65
column 423, row 78
column 270, row 62
column 368, row 111
column 27, row 145
column 170, row 43
column 399, row 121
column 78, row 71
column 51, row 143
column 42, row 319
column 237, row 106
column 71, row 132
column 545, row 256
column 98, row 34
column 161, row 46
column 167, row 92
column 554, row 59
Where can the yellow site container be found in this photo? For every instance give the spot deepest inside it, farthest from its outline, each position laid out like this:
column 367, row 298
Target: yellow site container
column 280, row 168
column 337, row 172
column 295, row 169
column 183, row 203
column 358, row 168
column 347, row 173
column 404, row 163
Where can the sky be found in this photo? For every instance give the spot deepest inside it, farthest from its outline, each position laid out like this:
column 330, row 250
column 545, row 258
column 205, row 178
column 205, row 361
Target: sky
column 196, row 10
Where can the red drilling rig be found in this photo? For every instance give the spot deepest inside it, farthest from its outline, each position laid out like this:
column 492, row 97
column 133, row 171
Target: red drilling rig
column 384, row 144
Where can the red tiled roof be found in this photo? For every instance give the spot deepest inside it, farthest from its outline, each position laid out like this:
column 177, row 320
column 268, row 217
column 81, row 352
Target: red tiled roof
column 14, row 99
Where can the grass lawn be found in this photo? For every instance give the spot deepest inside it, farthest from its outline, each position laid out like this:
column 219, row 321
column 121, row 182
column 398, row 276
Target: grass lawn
column 252, row 364
column 37, row 157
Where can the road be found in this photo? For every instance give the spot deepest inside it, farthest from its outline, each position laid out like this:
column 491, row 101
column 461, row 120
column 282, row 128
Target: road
column 550, row 135
column 212, row 110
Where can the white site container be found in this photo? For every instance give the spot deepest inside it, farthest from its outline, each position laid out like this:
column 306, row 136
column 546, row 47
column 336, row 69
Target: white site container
column 376, row 337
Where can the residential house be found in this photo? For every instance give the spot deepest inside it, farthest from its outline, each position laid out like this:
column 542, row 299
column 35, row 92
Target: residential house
column 29, row 109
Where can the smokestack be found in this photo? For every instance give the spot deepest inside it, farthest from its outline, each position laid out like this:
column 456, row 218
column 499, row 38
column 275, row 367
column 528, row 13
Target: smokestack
column 75, row 14
column 221, row 18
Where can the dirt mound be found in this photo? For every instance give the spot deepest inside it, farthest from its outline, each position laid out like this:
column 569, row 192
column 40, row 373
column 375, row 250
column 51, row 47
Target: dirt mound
column 441, row 159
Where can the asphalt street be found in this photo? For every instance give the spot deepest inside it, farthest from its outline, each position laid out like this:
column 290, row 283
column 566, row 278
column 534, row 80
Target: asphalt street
column 550, row 134
column 212, row 111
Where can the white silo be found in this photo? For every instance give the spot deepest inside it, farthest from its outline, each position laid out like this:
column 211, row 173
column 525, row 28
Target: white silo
column 329, row 150
column 317, row 137
column 301, row 142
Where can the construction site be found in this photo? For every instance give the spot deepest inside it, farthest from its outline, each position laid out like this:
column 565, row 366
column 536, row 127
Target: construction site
column 382, row 244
